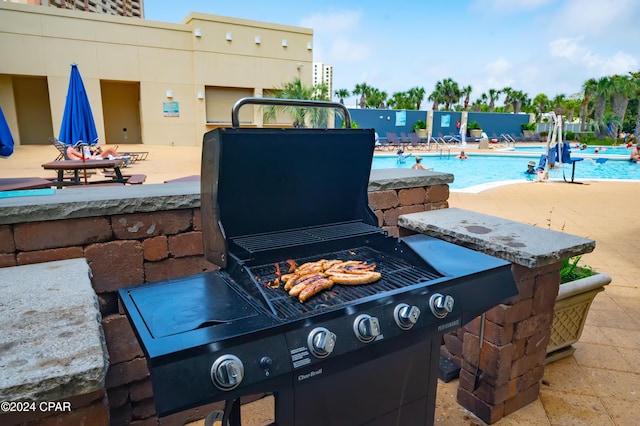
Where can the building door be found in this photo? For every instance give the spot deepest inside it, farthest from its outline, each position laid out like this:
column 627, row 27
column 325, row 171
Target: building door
column 33, row 110
column 121, row 109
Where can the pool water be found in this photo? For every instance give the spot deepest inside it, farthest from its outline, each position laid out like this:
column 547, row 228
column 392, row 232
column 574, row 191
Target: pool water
column 484, row 169
column 608, row 150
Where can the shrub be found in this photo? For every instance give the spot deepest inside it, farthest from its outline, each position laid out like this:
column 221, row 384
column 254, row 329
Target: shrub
column 420, row 124
column 569, row 136
column 529, row 126
column 570, row 270
column 473, row 125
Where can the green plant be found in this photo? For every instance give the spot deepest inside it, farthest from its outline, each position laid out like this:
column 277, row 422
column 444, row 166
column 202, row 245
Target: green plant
column 473, row 125
column 570, row 270
column 419, row 125
column 354, row 125
column 528, row 126
column 569, row 136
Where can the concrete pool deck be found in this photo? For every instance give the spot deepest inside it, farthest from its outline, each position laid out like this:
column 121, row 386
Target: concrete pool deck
column 600, row 383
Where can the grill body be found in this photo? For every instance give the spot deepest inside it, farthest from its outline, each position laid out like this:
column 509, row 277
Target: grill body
column 353, row 355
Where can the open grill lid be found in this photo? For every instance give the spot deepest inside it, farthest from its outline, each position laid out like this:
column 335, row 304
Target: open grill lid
column 258, row 181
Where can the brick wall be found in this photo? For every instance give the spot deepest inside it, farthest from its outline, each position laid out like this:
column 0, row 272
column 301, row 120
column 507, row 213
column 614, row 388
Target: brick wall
column 510, row 364
column 130, row 249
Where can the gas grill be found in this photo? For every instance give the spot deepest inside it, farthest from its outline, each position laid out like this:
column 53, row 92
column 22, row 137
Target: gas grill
column 351, row 355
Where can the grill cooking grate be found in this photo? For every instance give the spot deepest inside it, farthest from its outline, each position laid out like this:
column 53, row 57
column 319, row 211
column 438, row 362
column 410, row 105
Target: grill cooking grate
column 396, row 274
column 298, row 237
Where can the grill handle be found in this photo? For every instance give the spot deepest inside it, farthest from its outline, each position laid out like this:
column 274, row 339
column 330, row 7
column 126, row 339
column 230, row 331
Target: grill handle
column 235, row 120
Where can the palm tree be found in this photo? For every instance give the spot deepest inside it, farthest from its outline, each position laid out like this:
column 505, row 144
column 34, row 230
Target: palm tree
column 602, row 92
column 541, row 101
column 401, row 100
column 295, row 89
column 437, row 97
column 635, row 76
column 376, row 98
column 493, row 97
column 450, row 91
column 507, row 99
column 558, row 104
column 342, row 93
column 588, row 89
column 518, row 100
column 416, row 95
column 363, row 90
column 622, row 87
column 466, row 92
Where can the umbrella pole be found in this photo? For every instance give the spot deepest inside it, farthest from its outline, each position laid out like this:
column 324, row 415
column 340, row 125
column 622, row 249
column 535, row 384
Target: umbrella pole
column 84, row 169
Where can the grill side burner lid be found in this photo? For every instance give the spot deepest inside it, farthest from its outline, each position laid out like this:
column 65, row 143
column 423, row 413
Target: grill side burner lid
column 261, row 181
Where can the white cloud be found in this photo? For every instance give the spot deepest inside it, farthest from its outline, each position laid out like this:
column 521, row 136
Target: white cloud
column 573, row 50
column 508, row 6
column 498, row 67
column 606, row 17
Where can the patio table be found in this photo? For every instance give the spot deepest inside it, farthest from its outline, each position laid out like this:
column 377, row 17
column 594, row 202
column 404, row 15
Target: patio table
column 77, row 165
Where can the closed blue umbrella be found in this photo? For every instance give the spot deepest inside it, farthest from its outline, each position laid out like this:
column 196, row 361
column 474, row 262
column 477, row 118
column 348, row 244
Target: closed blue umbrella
column 77, row 122
column 6, row 140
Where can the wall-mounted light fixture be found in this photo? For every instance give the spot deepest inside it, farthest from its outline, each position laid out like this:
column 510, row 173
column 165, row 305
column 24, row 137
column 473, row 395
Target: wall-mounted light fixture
column 169, row 93
column 257, row 40
column 309, row 46
column 229, row 36
column 201, row 95
column 197, row 32
column 300, row 65
column 284, row 43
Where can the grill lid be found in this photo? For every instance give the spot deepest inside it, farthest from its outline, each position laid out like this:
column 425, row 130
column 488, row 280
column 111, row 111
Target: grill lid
column 257, row 181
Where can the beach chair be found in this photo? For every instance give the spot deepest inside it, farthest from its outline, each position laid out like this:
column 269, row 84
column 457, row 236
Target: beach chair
column 414, row 141
column 393, row 140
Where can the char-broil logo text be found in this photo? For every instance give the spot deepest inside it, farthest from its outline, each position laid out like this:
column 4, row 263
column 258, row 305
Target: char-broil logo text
column 309, row 375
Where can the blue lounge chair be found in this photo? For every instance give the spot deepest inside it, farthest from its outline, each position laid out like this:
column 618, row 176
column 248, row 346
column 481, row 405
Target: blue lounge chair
column 566, row 159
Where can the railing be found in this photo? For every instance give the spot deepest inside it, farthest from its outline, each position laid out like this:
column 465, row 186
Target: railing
column 508, row 139
column 441, row 146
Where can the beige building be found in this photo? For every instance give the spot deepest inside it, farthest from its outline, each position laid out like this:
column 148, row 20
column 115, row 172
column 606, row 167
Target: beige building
column 148, row 82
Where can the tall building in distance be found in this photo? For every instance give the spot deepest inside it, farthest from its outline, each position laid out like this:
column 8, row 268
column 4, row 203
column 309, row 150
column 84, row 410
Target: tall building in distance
column 323, row 73
column 131, row 8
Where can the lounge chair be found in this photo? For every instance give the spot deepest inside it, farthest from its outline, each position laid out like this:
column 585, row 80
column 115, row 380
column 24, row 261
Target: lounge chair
column 393, row 140
column 414, row 141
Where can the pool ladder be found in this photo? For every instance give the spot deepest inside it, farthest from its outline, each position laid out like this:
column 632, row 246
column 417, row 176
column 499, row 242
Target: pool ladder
column 441, row 146
column 510, row 141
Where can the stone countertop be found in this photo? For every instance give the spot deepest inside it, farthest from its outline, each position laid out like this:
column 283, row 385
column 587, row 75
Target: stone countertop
column 522, row 244
column 98, row 201
column 52, row 345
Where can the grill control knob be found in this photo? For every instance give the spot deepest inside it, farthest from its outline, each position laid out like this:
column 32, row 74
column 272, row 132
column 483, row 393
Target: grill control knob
column 366, row 328
column 441, row 305
column 321, row 342
column 227, row 372
column 406, row 316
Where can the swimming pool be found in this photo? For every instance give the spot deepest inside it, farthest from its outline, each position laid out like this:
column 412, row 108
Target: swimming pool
column 482, row 170
column 608, row 150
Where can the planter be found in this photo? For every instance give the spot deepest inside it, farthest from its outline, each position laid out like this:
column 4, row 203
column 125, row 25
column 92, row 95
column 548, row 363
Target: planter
column 528, row 133
column 422, row 133
column 570, row 313
column 475, row 133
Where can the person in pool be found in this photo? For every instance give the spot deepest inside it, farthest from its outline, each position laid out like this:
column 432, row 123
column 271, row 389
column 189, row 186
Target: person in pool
column 418, row 165
column 462, row 155
column 635, row 154
column 401, row 156
column 531, row 168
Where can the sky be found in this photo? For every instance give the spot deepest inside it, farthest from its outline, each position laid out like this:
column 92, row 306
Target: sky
column 536, row 46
